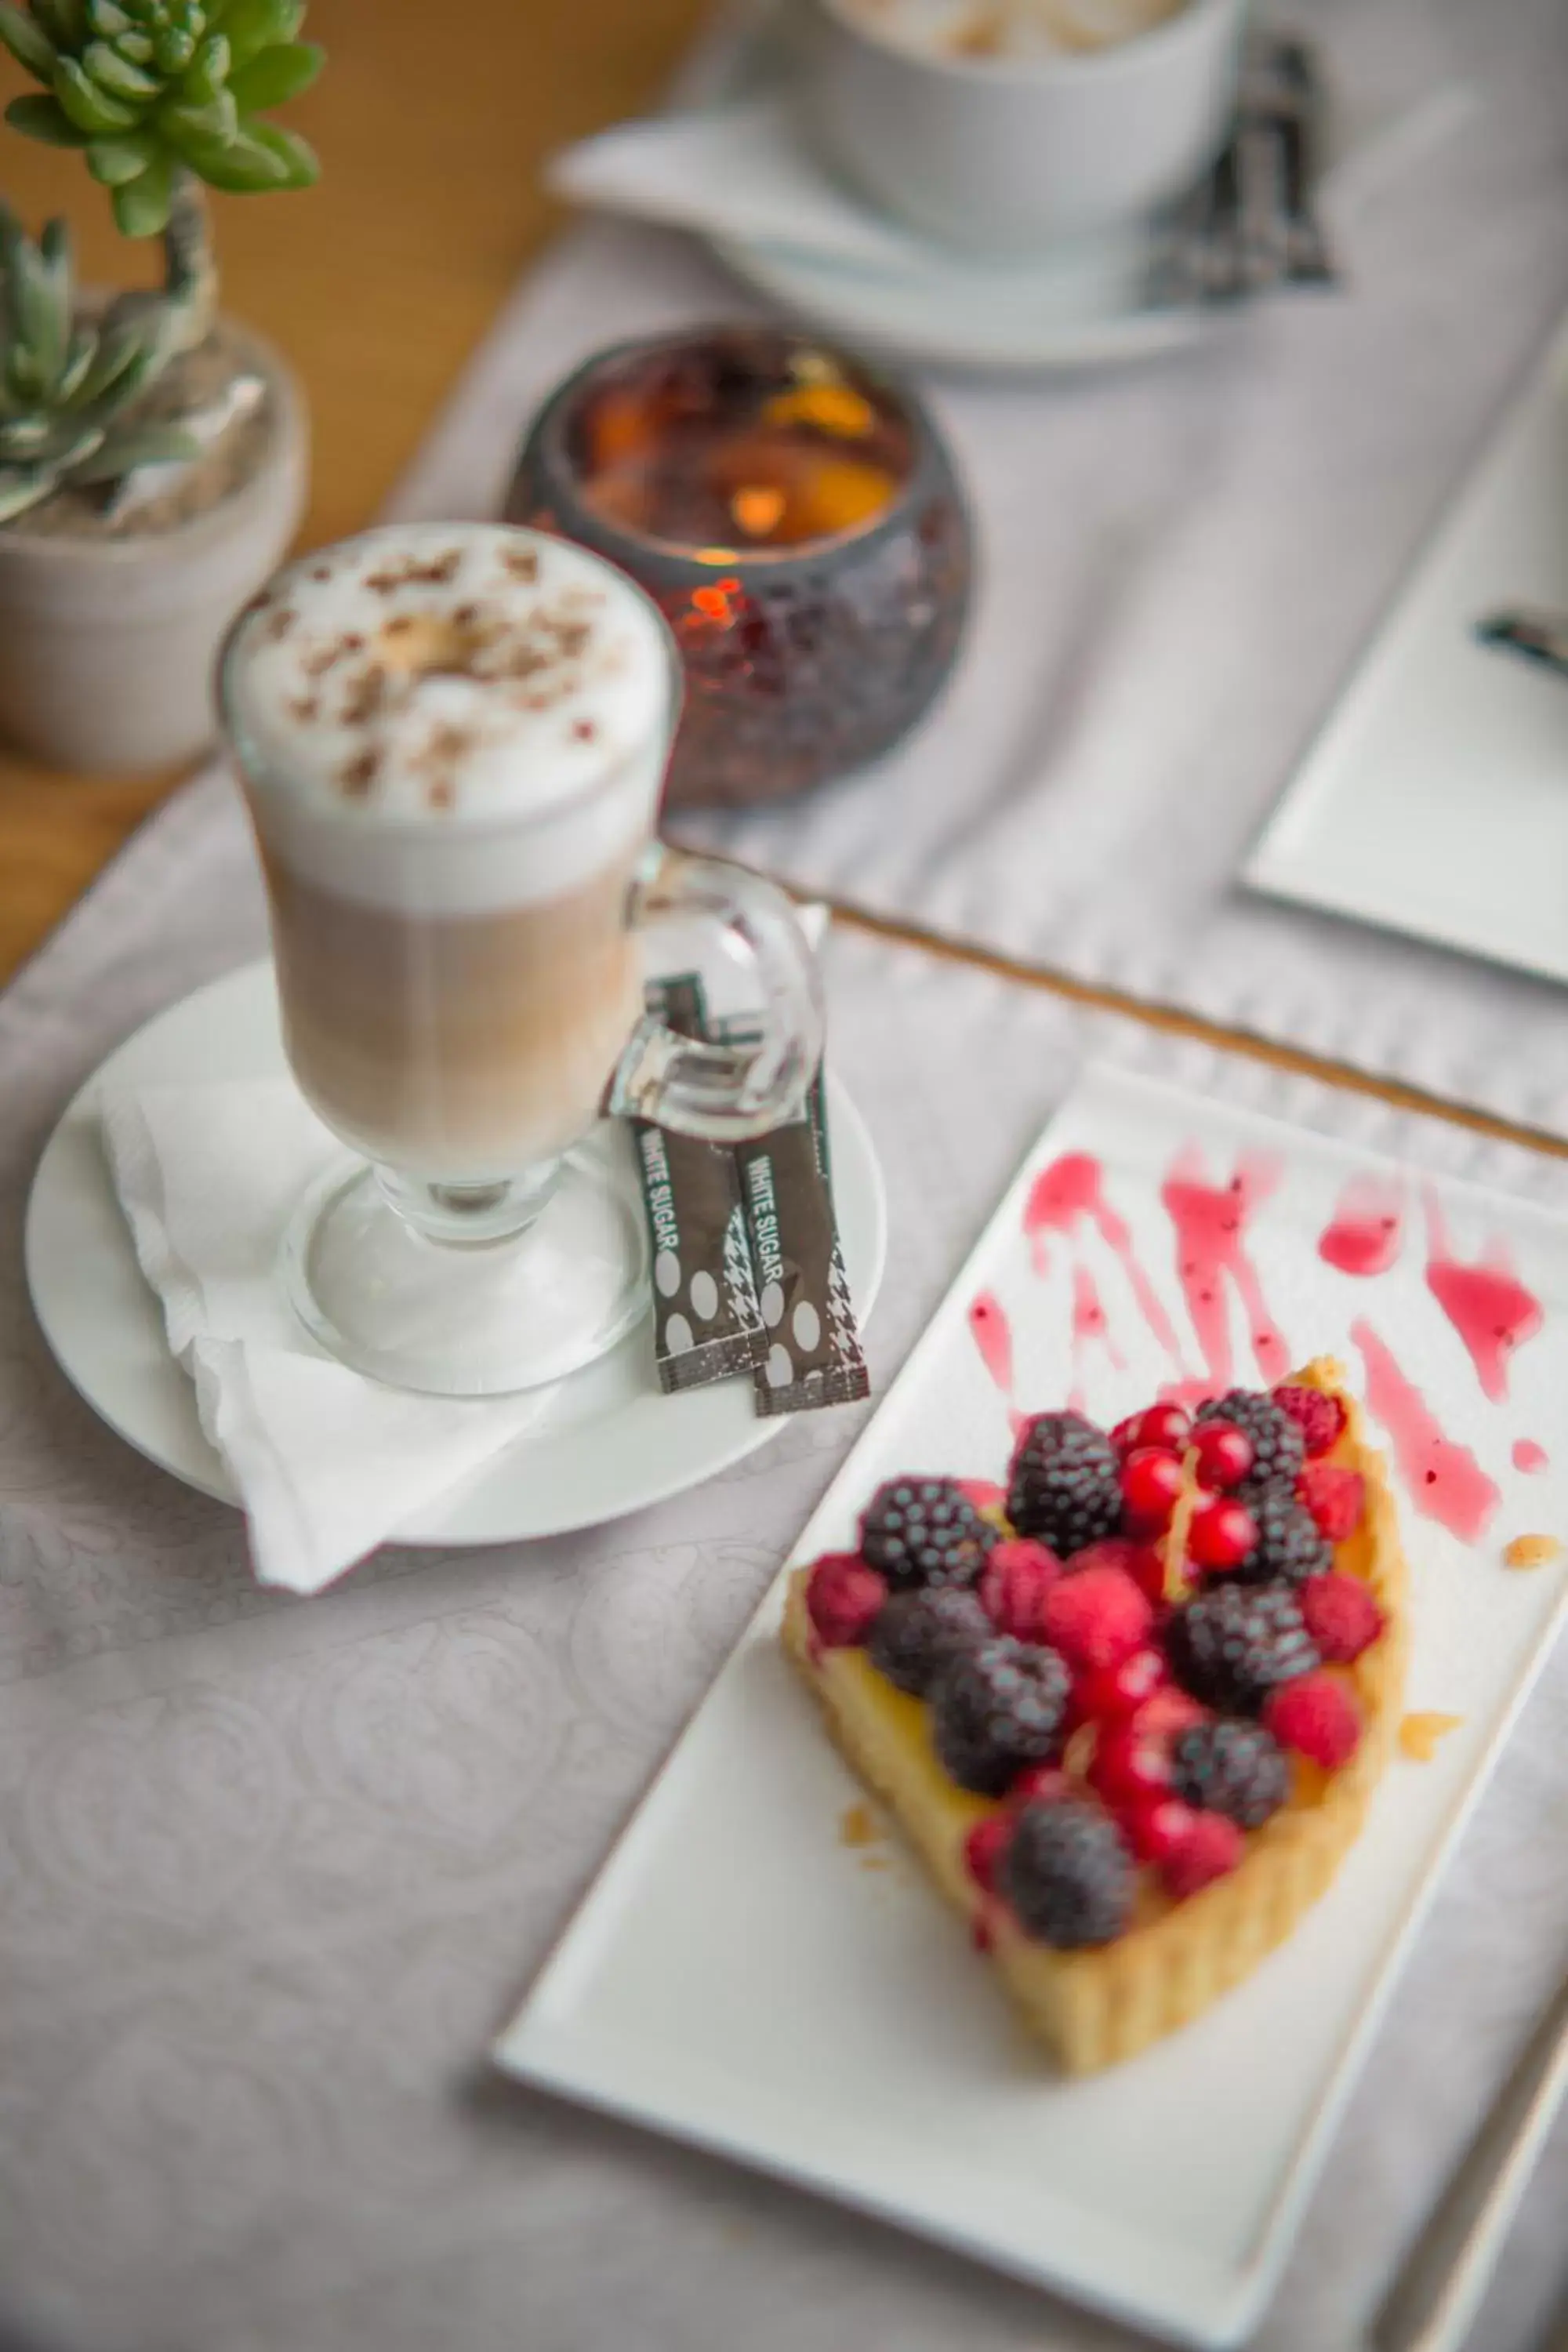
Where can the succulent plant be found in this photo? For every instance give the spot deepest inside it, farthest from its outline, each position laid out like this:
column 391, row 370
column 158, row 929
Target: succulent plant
column 70, row 381
column 156, row 89
column 161, row 96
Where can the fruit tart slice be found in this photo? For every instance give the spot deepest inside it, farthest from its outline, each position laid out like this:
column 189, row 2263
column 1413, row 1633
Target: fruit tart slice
column 1132, row 1715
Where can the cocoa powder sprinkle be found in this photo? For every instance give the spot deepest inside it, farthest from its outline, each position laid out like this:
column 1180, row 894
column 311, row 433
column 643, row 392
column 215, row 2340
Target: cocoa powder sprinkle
column 358, row 774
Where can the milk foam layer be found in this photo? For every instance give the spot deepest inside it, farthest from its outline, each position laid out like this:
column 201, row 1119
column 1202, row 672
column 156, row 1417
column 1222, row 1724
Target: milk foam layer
column 1006, row 29
column 440, row 718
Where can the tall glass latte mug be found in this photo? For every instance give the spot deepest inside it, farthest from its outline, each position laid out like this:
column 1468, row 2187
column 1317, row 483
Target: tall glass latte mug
column 451, row 740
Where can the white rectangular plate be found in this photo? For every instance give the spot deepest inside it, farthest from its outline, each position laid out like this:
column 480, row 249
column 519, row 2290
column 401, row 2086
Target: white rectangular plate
column 739, row 1977
column 1436, row 799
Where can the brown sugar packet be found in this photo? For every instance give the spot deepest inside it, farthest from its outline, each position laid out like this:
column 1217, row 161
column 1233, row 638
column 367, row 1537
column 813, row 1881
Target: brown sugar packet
column 809, row 1352
column 706, row 1326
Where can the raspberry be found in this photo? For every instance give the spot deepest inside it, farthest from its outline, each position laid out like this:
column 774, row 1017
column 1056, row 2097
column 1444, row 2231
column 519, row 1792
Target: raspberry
column 1067, row 1875
column 1277, row 1447
column 1234, row 1768
column 1334, row 1499
column 983, row 1848
column 1318, row 1716
column 1211, row 1849
column 997, row 1708
column 1234, row 1643
column 1063, row 1486
column 1141, row 1562
column 1105, row 1694
column 1289, row 1544
column 1224, row 1453
column 1040, row 1784
column 925, row 1531
column 919, row 1633
column 1095, row 1617
column 1151, row 1488
column 1222, row 1534
column 1341, row 1616
column 842, row 1599
column 1168, row 1714
column 1164, row 1425
column 1014, row 1585
column 1157, row 1830
column 1319, row 1418
column 1131, row 1765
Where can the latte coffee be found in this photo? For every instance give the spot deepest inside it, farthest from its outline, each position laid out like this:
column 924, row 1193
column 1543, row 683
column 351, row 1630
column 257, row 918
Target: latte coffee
column 452, row 739
column 1003, row 29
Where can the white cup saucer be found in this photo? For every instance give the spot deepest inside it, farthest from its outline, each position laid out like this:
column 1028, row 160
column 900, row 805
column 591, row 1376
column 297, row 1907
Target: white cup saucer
column 612, row 1442
column 743, row 176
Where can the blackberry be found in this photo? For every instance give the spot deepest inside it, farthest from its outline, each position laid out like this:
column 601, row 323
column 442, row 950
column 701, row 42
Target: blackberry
column 1279, row 1448
column 925, row 1531
column 917, row 1633
column 1290, row 1545
column 1065, row 1484
column 1234, row 1768
column 1235, row 1643
column 997, row 1708
column 1068, row 1874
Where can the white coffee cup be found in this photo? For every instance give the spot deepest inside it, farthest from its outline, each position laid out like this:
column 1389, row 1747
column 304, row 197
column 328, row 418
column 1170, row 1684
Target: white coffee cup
column 1006, row 153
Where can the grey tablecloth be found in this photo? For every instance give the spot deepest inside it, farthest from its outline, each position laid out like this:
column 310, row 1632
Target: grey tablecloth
column 271, row 1874
column 1180, row 564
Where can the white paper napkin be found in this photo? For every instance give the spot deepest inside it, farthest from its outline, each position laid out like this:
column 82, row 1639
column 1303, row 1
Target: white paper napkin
column 327, row 1463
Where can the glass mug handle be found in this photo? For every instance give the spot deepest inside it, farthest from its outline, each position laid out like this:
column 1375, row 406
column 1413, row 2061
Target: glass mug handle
column 724, row 1093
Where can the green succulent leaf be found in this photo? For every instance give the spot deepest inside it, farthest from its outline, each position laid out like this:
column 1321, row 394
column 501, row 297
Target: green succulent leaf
column 22, row 487
column 197, row 131
column 141, row 206
column 113, row 161
column 251, row 25
column 27, row 44
column 112, row 72
column 110, row 378
column 207, row 76
column 46, row 119
column 79, row 359
column 276, row 75
column 22, row 438
column 63, row 21
column 245, row 167
column 137, row 47
column 173, row 49
column 37, row 292
column 295, row 156
column 136, row 445
column 91, row 108
column 107, row 19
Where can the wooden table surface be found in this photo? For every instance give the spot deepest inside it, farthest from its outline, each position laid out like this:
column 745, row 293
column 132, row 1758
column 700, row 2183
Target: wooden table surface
column 378, row 284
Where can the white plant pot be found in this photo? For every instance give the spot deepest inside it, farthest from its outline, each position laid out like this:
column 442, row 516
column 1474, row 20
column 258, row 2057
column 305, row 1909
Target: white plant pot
column 107, row 646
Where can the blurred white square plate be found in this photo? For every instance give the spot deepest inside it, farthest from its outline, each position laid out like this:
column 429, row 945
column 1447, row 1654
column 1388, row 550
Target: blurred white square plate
column 1436, row 799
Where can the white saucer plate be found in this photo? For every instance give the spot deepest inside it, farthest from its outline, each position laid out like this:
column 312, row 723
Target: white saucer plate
column 612, row 1443
column 1083, row 309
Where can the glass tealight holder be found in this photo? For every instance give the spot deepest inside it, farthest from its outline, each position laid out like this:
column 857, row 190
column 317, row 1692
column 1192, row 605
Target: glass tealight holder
column 797, row 517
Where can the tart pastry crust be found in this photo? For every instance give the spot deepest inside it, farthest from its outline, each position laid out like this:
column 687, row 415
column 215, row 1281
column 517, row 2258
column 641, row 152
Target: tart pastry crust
column 1093, row 2009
